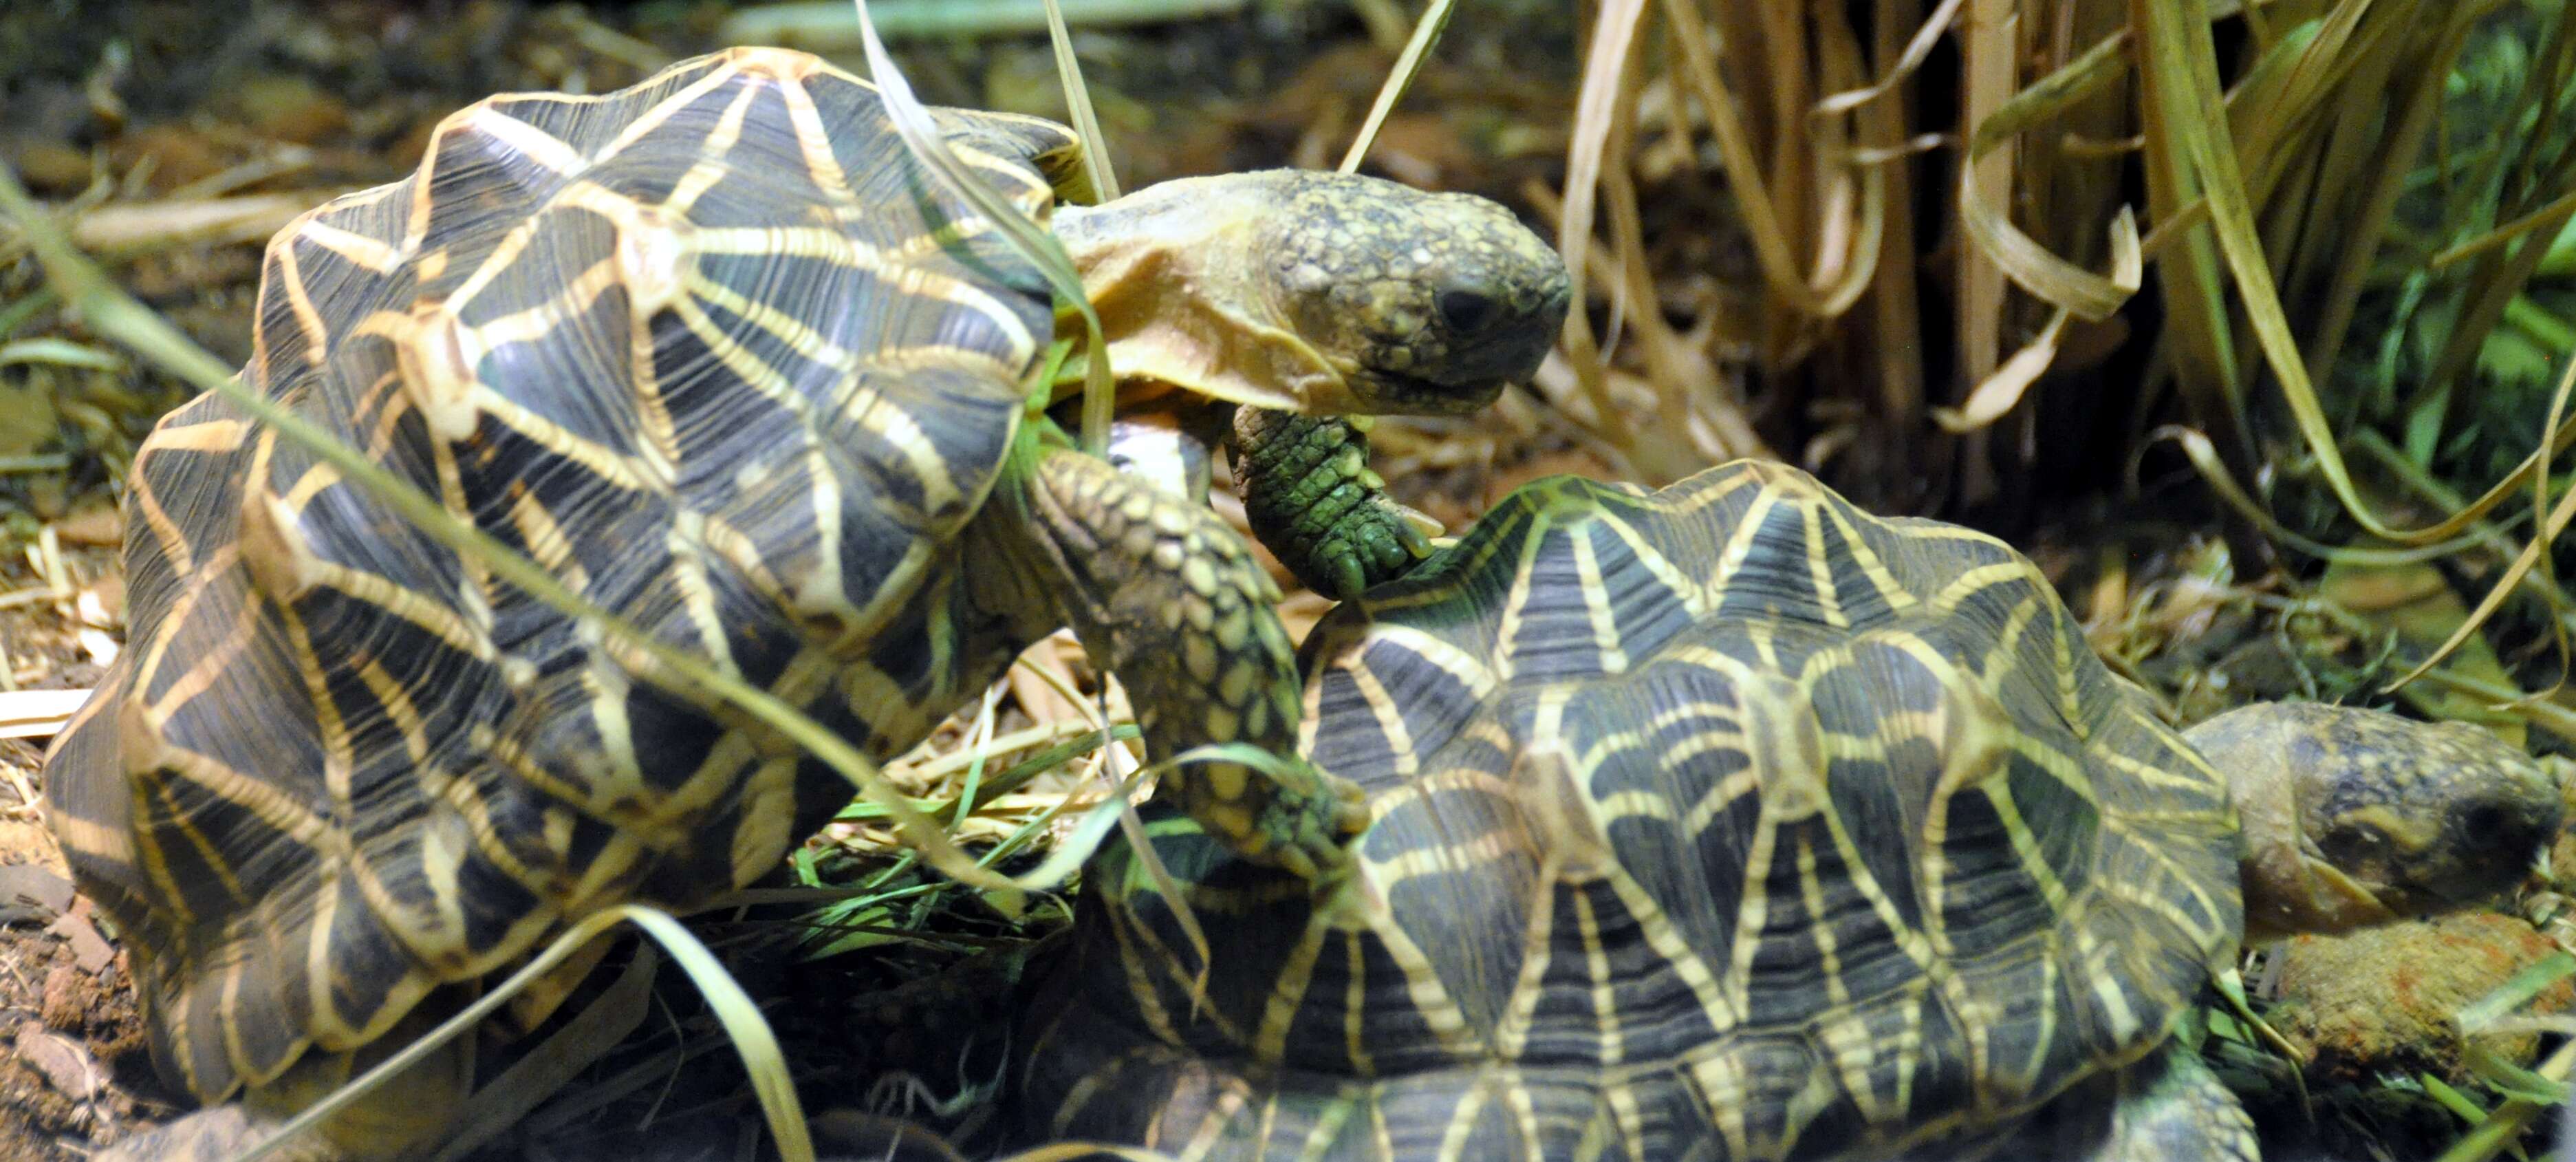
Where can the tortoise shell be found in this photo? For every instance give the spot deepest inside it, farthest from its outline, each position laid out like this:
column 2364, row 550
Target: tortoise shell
column 716, row 352
column 1727, row 821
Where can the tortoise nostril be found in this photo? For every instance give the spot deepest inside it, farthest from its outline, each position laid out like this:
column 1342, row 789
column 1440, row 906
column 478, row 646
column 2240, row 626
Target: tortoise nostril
column 1465, row 311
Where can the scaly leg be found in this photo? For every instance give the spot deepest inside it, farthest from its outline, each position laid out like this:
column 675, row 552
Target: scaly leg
column 1170, row 600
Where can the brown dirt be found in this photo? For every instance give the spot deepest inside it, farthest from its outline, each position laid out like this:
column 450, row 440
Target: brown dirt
column 74, row 1074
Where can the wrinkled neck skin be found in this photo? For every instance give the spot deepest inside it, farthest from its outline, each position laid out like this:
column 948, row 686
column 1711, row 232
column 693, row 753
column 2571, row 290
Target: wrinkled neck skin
column 2289, row 887
column 1170, row 268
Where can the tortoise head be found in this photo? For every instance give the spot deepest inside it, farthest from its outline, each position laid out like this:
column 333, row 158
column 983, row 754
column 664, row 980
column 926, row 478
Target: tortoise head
column 1319, row 292
column 2355, row 817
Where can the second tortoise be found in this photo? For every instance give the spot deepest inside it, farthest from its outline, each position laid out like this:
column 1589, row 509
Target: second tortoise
column 1730, row 822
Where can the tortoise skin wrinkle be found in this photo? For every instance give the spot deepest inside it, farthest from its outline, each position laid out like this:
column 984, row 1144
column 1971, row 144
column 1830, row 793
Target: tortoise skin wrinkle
column 1722, row 822
column 716, row 353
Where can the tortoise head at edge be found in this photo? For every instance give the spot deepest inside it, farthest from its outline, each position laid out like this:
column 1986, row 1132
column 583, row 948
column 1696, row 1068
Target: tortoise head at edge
column 2354, row 817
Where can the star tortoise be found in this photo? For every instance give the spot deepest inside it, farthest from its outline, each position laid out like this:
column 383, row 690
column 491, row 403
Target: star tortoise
column 1732, row 822
column 721, row 356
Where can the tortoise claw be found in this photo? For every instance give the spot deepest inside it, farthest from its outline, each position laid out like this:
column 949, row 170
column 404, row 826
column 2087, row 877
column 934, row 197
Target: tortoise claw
column 1309, row 822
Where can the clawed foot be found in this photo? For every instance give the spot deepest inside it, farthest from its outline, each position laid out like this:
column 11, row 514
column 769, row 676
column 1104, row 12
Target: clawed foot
column 1310, row 496
column 1380, row 540
column 1299, row 819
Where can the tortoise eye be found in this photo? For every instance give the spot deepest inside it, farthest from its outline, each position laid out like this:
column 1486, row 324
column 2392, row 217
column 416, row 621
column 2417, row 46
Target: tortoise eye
column 1466, row 311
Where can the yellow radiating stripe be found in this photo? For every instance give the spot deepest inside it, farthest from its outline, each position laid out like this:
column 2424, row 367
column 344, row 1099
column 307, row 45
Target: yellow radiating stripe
column 688, row 573
column 1856, row 549
column 1511, row 1030
column 1389, row 718
column 83, row 836
column 493, row 263
column 530, row 142
column 220, row 568
column 1596, row 603
column 165, row 531
column 1462, row 1116
column 544, row 538
column 1754, row 910
column 1504, row 661
column 1820, row 568
column 881, row 417
column 1480, row 680
column 816, row 242
column 1355, row 1005
column 386, row 400
column 609, row 466
column 1288, row 992
column 1712, row 487
column 814, row 142
column 1605, row 994
column 739, row 551
column 579, row 294
column 1969, row 583
column 1516, row 1097
column 1232, row 1096
column 1907, row 940
column 316, row 476
column 207, row 667
column 662, row 110
column 609, row 876
column 1811, row 892
column 1431, row 1001
column 514, row 756
column 208, row 436
column 1140, row 955
column 606, row 686
column 437, row 938
column 253, row 796
column 1694, row 600
column 372, row 254
column 439, row 785
column 228, row 1016
column 290, row 282
column 1739, row 545
column 1725, row 1010
column 768, row 797
column 2155, row 774
column 429, row 615
column 713, row 167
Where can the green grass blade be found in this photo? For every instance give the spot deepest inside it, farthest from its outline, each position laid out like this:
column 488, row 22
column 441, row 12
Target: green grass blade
column 922, row 138
column 1077, row 98
column 1426, row 33
column 742, row 1021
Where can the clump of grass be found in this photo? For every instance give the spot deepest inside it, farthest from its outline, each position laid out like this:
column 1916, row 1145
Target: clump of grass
column 1987, row 244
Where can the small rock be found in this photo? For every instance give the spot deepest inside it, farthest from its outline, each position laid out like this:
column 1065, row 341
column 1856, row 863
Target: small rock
column 2381, row 1000
column 64, row 1006
column 28, row 885
column 89, row 949
column 178, row 155
column 290, row 108
column 51, row 167
column 62, row 1060
column 91, row 524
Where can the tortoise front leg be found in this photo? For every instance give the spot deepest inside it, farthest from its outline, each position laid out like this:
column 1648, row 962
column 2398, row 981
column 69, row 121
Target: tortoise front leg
column 1170, row 600
column 1309, row 495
